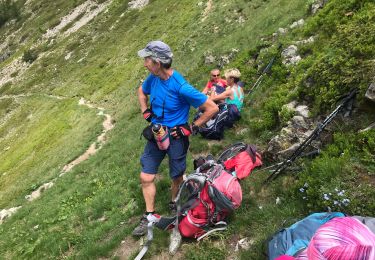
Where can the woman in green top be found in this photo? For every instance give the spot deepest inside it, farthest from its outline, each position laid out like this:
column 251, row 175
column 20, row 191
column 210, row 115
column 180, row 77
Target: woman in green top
column 234, row 93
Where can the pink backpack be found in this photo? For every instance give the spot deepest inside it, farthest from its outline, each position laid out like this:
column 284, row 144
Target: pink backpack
column 220, row 195
column 212, row 192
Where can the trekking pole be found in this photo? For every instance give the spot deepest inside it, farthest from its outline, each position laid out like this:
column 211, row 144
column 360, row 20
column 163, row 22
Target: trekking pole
column 260, row 78
column 150, row 236
column 309, row 154
column 266, row 70
column 347, row 100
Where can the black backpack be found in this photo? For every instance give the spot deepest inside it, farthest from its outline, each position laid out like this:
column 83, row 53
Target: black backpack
column 214, row 128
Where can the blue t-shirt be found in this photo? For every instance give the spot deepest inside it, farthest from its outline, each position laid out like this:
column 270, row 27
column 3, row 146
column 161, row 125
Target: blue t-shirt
column 174, row 95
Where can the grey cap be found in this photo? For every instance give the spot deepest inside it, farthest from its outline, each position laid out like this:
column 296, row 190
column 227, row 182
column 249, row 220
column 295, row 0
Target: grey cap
column 156, row 49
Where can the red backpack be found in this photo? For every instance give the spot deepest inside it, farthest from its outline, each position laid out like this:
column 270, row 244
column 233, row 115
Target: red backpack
column 215, row 190
column 220, row 195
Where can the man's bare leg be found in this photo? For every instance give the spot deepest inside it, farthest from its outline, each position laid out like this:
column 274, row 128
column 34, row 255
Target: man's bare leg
column 148, row 190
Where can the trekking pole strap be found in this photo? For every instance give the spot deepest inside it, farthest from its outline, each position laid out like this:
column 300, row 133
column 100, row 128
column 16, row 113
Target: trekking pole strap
column 150, row 236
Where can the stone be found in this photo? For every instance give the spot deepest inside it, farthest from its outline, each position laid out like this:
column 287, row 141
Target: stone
column 6, row 213
column 38, row 192
column 311, row 39
column 209, row 59
column 318, row 4
column 290, row 51
column 302, row 110
column 244, row 243
column 137, row 4
column 294, row 60
column 290, row 106
column 299, row 123
column 370, row 93
column 290, row 56
column 224, row 60
column 282, row 31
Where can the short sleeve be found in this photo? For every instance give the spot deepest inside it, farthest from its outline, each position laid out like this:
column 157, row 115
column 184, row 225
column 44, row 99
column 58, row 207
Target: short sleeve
column 192, row 95
column 146, row 85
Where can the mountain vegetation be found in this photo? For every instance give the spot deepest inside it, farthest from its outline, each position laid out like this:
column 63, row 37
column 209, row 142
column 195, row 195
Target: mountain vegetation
column 68, row 66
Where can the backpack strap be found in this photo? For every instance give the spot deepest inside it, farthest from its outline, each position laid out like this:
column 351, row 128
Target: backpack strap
column 219, row 226
column 252, row 150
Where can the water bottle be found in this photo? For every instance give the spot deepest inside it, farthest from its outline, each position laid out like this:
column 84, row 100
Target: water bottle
column 161, row 136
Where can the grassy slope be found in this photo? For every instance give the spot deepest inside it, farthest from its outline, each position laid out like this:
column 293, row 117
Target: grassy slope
column 66, row 220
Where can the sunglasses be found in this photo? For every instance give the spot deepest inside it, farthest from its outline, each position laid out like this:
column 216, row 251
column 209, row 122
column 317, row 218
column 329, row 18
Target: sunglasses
column 217, row 75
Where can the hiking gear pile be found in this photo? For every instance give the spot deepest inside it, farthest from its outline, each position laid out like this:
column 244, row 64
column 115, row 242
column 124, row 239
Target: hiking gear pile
column 212, row 192
column 225, row 118
column 330, row 235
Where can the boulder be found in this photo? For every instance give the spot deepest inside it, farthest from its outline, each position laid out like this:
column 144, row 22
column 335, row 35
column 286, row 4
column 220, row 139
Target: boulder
column 290, row 56
column 290, row 137
column 298, row 23
column 302, row 110
column 318, row 4
column 311, row 39
column 137, row 4
column 370, row 93
column 209, row 59
column 282, row 31
column 6, row 213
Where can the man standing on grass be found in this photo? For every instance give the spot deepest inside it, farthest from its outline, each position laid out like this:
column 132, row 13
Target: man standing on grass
column 170, row 99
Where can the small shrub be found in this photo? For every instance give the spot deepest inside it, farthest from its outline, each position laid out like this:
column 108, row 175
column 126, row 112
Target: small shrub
column 30, row 56
column 341, row 179
column 14, row 74
column 285, row 115
column 8, row 10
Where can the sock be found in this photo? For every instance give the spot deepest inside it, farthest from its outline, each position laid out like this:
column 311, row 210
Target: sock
column 149, row 212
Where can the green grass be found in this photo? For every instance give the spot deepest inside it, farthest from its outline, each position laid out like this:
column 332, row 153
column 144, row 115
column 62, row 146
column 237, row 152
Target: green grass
column 34, row 139
column 43, row 134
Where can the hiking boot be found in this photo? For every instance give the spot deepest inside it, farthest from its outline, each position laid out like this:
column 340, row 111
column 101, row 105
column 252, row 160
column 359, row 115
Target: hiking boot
column 172, row 207
column 141, row 229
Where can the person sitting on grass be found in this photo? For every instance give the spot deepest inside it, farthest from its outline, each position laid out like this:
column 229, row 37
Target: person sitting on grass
column 216, row 85
column 233, row 94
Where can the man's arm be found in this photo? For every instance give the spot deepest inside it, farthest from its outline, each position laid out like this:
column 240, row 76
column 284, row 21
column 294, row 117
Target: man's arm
column 205, row 90
column 209, row 109
column 222, row 96
column 142, row 98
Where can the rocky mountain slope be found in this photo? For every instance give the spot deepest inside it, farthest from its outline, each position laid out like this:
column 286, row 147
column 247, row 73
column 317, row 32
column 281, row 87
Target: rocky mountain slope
column 70, row 122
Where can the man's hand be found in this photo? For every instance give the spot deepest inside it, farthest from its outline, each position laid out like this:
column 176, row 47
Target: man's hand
column 184, row 130
column 147, row 115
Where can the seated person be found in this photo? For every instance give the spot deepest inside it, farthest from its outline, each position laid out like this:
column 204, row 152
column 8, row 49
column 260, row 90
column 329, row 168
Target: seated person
column 233, row 94
column 216, row 84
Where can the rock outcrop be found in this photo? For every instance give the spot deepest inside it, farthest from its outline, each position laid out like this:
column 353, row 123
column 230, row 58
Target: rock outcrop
column 370, row 93
column 291, row 136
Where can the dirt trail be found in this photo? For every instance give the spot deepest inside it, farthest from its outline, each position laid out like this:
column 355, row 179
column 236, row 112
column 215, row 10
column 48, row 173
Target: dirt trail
column 93, row 148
